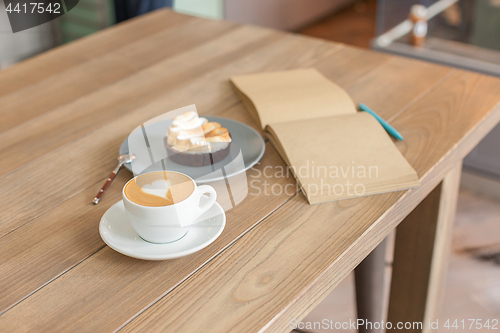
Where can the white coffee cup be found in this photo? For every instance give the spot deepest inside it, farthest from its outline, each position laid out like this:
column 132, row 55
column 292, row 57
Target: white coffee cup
column 165, row 224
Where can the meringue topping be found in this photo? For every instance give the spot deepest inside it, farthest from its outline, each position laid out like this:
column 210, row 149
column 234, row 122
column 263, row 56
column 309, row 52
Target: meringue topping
column 192, row 133
column 188, row 121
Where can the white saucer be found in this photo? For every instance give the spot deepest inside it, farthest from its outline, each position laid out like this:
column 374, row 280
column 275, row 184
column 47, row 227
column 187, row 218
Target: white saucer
column 117, row 232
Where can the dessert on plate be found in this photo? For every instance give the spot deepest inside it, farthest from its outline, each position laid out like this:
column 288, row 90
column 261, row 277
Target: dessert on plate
column 194, row 141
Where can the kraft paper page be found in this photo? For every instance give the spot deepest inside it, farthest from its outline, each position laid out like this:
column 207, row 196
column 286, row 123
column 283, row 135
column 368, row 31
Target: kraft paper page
column 291, row 95
column 342, row 157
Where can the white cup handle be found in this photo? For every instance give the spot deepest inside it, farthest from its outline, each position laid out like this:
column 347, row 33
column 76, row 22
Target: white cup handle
column 200, row 191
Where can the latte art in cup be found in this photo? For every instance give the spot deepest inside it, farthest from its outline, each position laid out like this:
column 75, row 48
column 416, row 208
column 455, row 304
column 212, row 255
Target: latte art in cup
column 160, row 188
column 162, row 205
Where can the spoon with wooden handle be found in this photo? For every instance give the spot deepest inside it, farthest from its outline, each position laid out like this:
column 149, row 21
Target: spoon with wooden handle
column 122, row 159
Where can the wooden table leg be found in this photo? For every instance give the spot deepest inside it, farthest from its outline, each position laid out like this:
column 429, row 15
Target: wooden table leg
column 421, row 255
column 370, row 294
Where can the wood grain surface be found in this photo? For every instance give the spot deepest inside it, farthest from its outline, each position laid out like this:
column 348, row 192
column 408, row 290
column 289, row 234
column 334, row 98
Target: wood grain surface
column 64, row 114
column 62, row 58
column 422, row 243
column 254, row 279
column 133, row 91
column 96, row 145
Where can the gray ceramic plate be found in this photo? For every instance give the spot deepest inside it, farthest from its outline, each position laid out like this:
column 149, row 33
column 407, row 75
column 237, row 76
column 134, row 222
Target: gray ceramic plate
column 246, row 149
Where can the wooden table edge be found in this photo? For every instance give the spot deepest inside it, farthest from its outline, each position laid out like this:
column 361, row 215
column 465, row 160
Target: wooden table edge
column 326, row 281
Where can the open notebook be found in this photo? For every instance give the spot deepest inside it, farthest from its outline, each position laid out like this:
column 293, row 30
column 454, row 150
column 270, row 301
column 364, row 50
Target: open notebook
column 333, row 151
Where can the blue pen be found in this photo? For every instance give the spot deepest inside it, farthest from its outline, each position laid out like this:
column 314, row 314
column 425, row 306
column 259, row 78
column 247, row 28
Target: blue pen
column 391, row 130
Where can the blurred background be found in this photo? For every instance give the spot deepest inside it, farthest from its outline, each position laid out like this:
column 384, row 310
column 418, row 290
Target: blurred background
column 460, row 33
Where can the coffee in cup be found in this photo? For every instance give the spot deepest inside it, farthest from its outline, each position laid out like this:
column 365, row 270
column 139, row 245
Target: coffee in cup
column 161, row 188
column 161, row 205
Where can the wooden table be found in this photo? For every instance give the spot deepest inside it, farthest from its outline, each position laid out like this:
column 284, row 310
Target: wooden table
column 63, row 115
